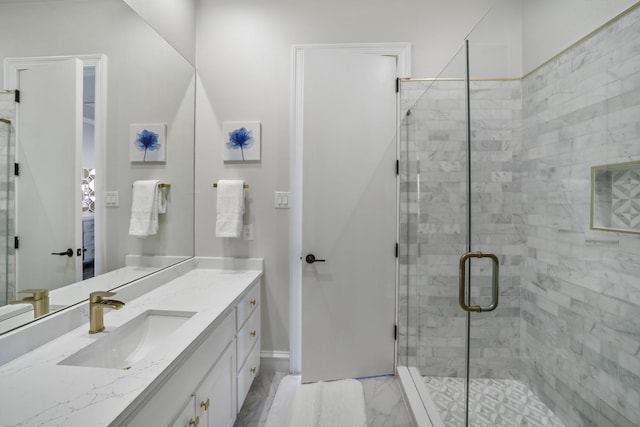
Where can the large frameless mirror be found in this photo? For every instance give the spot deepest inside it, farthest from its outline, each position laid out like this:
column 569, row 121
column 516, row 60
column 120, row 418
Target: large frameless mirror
column 129, row 75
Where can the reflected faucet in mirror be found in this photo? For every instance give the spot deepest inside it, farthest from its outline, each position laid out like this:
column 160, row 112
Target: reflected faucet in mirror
column 96, row 306
column 39, row 299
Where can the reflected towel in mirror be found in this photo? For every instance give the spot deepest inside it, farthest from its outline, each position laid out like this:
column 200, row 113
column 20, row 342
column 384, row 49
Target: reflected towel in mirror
column 147, row 202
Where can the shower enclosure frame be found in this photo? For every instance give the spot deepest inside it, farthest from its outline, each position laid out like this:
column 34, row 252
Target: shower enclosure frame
column 489, row 294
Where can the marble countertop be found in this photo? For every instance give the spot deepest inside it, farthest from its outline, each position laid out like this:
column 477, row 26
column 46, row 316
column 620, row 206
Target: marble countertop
column 35, row 390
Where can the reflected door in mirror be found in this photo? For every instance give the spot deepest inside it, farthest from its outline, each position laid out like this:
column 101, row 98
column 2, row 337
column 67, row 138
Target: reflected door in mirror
column 47, row 196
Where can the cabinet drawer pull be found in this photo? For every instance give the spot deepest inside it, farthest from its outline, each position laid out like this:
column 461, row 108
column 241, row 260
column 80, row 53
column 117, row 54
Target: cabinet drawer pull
column 252, row 302
column 253, row 370
column 194, row 422
column 253, row 333
column 205, row 405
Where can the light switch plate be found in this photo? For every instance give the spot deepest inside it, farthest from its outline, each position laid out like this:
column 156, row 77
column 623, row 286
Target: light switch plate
column 111, row 199
column 282, row 199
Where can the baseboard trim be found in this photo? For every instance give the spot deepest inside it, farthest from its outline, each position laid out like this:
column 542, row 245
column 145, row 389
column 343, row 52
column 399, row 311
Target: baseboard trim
column 274, row 361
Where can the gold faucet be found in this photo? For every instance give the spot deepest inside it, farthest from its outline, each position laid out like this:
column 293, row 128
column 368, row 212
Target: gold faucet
column 39, row 300
column 96, row 306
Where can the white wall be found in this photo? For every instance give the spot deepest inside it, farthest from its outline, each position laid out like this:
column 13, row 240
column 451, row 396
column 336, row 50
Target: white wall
column 550, row 26
column 495, row 44
column 244, row 66
column 174, row 20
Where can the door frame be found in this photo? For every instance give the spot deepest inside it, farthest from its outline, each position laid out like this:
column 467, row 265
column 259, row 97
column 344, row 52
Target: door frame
column 402, row 52
column 12, row 66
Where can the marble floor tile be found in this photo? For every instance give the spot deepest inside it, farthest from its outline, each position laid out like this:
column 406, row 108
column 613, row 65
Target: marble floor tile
column 256, row 406
column 384, row 403
column 383, row 400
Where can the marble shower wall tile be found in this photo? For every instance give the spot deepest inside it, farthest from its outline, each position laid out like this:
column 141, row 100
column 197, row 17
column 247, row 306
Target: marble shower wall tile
column 581, row 295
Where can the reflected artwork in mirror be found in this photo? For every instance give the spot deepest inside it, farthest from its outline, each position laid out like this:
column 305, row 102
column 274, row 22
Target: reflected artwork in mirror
column 128, row 74
column 615, row 197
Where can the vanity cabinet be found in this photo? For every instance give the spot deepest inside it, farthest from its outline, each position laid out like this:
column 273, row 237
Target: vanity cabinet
column 248, row 342
column 213, row 404
column 208, row 386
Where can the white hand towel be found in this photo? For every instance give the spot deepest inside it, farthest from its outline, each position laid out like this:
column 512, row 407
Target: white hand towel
column 230, row 208
column 148, row 201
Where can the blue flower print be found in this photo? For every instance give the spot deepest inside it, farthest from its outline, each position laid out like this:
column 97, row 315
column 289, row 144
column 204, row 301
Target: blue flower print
column 147, row 140
column 240, row 139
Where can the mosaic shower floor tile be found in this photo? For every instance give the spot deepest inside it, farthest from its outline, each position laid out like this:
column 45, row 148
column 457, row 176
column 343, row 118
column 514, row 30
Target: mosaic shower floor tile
column 493, row 403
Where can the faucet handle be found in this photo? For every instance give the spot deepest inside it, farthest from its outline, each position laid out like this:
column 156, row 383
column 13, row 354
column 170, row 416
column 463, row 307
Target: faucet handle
column 97, row 296
column 37, row 293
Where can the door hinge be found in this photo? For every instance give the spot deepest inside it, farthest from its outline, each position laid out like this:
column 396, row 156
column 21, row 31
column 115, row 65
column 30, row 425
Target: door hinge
column 397, row 84
column 397, row 167
column 16, row 169
column 395, row 332
column 16, row 96
column 16, row 242
column 397, row 250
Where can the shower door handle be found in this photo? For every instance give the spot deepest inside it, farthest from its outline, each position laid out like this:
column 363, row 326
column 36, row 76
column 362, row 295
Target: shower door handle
column 494, row 282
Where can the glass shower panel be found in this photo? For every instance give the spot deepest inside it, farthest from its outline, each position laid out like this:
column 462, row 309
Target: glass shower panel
column 442, row 224
column 434, row 230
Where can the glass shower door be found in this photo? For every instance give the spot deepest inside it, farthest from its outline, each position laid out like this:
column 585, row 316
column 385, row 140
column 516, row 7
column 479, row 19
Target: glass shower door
column 460, row 197
column 496, row 221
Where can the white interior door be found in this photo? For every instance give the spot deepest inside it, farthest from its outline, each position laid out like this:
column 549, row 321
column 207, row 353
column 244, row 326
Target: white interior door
column 48, row 199
column 348, row 215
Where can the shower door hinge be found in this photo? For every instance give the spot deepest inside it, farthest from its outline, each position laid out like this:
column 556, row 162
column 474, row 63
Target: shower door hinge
column 16, row 169
column 16, row 242
column 17, row 96
column 397, row 84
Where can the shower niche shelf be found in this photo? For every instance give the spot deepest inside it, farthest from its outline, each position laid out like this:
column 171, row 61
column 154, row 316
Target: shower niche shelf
column 615, row 197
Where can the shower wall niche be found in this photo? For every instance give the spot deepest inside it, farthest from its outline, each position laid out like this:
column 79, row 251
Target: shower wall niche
column 615, row 197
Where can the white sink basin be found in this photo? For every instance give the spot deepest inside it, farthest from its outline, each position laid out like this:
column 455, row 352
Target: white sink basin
column 130, row 342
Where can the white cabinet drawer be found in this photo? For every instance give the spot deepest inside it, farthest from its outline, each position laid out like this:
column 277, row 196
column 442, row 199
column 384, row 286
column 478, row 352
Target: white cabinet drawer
column 248, row 335
column 248, row 303
column 247, row 373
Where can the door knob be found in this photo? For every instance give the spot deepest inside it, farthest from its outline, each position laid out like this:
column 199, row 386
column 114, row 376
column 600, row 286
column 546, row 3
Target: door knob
column 311, row 258
column 68, row 252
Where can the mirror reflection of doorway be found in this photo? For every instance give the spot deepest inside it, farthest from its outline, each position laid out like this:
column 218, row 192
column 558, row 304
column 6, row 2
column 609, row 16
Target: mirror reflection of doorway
column 73, row 200
column 88, row 171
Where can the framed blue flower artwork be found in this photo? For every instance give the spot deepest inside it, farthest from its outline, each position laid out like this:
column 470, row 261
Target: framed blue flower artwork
column 148, row 142
column 241, row 141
